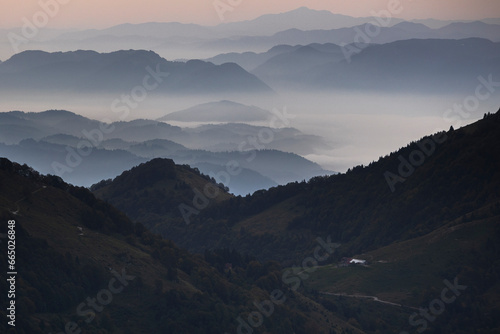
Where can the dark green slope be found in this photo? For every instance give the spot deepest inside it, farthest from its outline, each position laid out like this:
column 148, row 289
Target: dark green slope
column 414, row 273
column 456, row 173
column 424, row 214
column 82, row 264
column 160, row 191
column 459, row 174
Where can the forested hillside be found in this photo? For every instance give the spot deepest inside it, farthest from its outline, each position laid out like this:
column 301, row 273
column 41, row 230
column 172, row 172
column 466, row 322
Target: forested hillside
column 84, row 265
column 453, row 174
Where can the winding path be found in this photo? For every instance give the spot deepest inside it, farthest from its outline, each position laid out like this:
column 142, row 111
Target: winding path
column 374, row 298
column 16, row 212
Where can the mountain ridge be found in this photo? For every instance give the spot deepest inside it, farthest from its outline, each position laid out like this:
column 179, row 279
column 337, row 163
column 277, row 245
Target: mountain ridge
column 84, row 151
column 84, row 248
column 321, row 205
column 89, row 71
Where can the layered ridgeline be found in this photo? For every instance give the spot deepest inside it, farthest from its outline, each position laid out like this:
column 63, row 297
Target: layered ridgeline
column 84, row 151
column 454, row 67
column 299, row 26
column 369, row 32
column 84, row 266
column 82, row 72
column 407, row 194
column 440, row 224
column 424, row 214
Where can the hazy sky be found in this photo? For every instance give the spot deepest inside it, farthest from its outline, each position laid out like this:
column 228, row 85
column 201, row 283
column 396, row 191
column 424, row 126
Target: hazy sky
column 105, row 13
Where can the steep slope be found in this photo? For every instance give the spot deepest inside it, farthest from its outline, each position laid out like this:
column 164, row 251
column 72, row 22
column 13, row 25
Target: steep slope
column 159, row 188
column 82, row 265
column 364, row 209
column 413, row 273
column 425, row 218
column 387, row 201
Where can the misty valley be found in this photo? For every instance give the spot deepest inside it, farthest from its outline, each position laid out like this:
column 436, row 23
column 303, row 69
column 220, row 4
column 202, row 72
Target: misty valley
column 302, row 172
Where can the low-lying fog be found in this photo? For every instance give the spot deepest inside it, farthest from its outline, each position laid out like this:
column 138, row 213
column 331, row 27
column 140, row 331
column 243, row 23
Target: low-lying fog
column 360, row 127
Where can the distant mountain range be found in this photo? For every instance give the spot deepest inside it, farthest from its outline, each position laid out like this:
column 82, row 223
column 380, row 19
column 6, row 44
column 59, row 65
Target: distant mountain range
column 209, row 218
column 417, row 224
column 121, row 71
column 369, row 32
column 428, row 66
column 250, row 60
column 343, row 205
column 175, row 40
column 397, row 66
column 437, row 231
column 54, row 138
column 417, row 65
column 285, row 41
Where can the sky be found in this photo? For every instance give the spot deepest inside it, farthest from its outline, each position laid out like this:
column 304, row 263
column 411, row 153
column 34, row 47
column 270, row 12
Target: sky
column 106, row 13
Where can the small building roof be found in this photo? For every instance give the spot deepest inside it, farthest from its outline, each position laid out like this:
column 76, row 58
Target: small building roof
column 357, row 261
